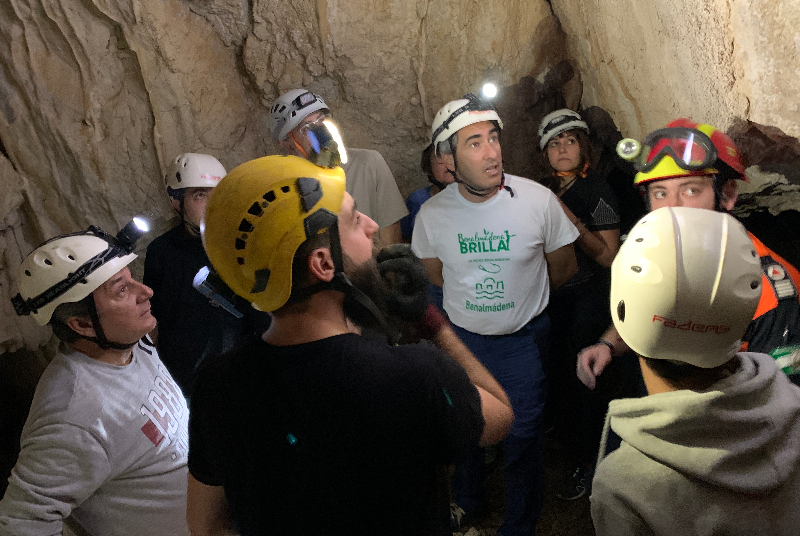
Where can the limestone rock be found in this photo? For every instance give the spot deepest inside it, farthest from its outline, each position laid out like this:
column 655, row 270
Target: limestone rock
column 713, row 60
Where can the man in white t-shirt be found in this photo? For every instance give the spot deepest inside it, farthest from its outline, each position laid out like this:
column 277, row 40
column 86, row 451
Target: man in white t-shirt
column 497, row 244
column 369, row 179
column 105, row 445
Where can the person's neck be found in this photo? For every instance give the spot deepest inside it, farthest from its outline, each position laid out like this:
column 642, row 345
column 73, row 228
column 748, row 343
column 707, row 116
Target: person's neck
column 320, row 318
column 654, row 383
column 472, row 198
column 566, row 180
column 111, row 356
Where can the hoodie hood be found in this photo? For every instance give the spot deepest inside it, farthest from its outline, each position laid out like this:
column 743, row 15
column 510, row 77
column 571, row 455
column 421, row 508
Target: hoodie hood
column 742, row 434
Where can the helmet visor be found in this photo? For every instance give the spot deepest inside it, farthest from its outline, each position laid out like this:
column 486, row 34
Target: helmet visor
column 689, row 148
column 326, row 147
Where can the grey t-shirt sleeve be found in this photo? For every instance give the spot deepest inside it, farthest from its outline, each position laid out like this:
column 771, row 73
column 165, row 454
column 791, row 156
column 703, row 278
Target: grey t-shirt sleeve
column 59, row 466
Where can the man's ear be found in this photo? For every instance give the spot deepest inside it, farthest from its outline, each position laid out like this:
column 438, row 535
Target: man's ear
column 176, row 204
column 82, row 325
column 321, row 265
column 728, row 194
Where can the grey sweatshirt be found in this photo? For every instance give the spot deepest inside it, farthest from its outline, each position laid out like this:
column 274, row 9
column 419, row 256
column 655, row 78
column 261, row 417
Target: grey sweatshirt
column 721, row 462
column 104, row 444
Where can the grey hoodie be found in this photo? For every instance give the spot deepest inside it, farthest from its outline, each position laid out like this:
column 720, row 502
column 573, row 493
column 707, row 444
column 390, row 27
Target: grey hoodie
column 725, row 461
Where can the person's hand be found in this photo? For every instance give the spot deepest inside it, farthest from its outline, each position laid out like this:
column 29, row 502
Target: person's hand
column 592, row 360
column 406, row 282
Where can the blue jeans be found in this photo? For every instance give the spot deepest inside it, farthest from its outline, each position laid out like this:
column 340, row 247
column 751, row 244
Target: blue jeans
column 516, row 363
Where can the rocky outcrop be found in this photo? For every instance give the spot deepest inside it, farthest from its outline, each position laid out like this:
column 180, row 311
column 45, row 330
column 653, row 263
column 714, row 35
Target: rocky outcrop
column 718, row 61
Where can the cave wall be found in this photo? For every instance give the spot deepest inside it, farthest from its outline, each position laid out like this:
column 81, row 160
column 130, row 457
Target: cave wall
column 722, row 61
column 96, row 96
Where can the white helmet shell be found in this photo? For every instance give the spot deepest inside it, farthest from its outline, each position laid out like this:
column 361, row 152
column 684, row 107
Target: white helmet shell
column 291, row 108
column 55, row 261
column 194, row 170
column 685, row 285
column 458, row 114
column 557, row 122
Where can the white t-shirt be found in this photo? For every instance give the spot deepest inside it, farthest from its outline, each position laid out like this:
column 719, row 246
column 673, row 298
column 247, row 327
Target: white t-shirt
column 104, row 444
column 494, row 268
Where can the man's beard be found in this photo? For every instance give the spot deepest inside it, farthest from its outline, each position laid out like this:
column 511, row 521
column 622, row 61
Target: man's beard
column 366, row 278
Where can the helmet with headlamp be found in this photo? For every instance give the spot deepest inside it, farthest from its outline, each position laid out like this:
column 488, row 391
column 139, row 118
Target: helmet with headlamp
column 456, row 115
column 682, row 149
column 69, row 268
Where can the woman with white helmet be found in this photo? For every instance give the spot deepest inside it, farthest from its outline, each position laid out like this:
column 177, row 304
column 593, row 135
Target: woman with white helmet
column 579, row 309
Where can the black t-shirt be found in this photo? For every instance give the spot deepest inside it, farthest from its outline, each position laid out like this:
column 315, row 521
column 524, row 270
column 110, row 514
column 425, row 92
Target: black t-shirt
column 190, row 326
column 337, row 436
column 591, row 200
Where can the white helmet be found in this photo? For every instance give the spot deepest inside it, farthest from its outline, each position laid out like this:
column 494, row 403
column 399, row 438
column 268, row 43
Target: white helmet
column 66, row 269
column 193, row 170
column 685, row 285
column 291, row 108
column 460, row 113
column 557, row 122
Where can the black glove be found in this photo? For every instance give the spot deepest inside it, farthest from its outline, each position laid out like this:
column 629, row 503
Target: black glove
column 406, row 282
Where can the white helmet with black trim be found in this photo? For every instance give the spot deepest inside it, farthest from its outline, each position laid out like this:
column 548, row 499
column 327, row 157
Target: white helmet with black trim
column 685, row 285
column 193, row 170
column 291, row 108
column 66, row 269
column 458, row 114
column 557, row 122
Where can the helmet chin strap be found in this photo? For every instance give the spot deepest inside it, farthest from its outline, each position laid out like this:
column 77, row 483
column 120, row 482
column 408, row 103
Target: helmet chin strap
column 341, row 283
column 101, row 340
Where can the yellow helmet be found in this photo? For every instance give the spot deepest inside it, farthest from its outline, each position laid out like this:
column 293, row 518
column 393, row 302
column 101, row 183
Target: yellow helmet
column 258, row 216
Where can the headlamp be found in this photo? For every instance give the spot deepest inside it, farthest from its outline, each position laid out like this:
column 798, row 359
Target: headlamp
column 304, row 100
column 210, row 285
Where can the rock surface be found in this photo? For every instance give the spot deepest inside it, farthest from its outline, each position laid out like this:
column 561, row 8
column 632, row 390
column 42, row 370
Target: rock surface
column 96, row 96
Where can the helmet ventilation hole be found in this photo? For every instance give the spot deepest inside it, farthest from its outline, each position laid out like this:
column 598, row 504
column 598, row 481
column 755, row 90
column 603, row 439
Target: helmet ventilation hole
column 640, row 239
column 637, row 269
column 28, row 273
column 621, row 311
column 48, row 262
column 70, row 257
column 754, row 284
